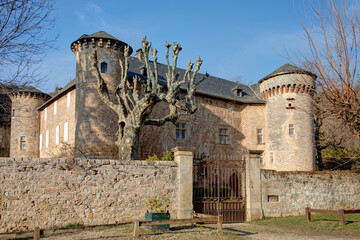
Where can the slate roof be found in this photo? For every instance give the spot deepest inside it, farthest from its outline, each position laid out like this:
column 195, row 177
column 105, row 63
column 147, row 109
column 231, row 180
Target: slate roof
column 68, row 86
column 212, row 86
column 286, row 69
column 100, row 34
column 103, row 35
column 27, row 89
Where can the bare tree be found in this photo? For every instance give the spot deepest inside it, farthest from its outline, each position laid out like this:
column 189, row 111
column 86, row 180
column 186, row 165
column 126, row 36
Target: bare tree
column 136, row 99
column 23, row 40
column 332, row 53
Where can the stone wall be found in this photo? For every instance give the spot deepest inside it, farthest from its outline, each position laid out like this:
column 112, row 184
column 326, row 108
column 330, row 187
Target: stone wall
column 285, row 107
column 288, row 193
column 202, row 129
column 95, row 134
column 65, row 113
column 25, row 123
column 54, row 192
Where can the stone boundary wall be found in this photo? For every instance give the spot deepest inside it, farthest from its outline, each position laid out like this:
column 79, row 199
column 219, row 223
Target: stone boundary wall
column 54, row 192
column 288, row 193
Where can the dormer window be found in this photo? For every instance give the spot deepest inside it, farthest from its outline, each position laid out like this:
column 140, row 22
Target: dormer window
column 103, row 67
column 237, row 92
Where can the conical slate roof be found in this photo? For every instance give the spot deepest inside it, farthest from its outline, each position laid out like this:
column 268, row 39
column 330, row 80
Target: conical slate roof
column 103, row 35
column 28, row 89
column 100, row 34
column 286, row 69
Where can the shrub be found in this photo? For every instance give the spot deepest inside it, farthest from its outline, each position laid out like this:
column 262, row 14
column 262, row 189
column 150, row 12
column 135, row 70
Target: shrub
column 152, row 158
column 158, row 203
column 167, row 156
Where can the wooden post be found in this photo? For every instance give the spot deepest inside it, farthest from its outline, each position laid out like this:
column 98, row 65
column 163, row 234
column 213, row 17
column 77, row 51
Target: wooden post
column 136, row 228
column 341, row 217
column 37, row 233
column 308, row 214
column 219, row 223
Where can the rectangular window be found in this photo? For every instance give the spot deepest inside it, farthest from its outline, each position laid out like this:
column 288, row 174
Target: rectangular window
column 260, row 137
column 40, row 142
column 45, row 113
column 271, row 158
column 55, row 107
column 47, row 139
column 262, row 158
column 273, row 198
column 291, row 129
column 13, row 112
column 68, row 99
column 223, row 136
column 22, row 143
column 66, row 135
column 180, row 130
column 57, row 131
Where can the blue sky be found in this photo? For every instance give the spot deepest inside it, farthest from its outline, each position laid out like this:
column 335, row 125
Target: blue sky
column 234, row 38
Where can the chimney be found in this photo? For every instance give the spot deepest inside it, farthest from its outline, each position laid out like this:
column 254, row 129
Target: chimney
column 139, row 54
column 143, row 70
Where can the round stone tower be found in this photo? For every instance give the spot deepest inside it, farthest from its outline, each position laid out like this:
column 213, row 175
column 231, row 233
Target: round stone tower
column 96, row 123
column 289, row 119
column 24, row 138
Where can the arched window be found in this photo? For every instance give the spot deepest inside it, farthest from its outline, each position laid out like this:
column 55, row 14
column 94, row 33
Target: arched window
column 103, row 67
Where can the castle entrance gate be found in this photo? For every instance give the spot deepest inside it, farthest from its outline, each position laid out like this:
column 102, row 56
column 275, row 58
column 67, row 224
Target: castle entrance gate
column 219, row 188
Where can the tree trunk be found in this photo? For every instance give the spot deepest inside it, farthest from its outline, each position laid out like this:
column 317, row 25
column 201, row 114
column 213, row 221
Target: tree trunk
column 318, row 147
column 128, row 142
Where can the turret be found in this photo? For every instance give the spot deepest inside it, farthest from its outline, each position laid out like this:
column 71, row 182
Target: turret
column 24, row 139
column 96, row 137
column 289, row 119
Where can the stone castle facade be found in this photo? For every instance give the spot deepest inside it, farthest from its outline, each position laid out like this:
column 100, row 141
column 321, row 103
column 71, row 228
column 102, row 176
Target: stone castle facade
column 272, row 118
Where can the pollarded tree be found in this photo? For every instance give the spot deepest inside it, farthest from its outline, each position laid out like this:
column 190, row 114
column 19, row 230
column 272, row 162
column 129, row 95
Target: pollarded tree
column 136, row 98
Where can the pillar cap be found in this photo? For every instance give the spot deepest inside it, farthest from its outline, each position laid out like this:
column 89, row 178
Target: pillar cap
column 183, row 150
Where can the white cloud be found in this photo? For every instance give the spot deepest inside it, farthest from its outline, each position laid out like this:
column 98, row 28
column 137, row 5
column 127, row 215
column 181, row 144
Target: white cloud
column 93, row 7
column 80, row 15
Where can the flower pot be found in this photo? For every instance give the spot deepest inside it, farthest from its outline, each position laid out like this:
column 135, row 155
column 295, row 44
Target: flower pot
column 155, row 217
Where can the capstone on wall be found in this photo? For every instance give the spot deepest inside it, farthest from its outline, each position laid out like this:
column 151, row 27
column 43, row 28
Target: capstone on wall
column 202, row 129
column 64, row 115
column 288, row 193
column 54, row 192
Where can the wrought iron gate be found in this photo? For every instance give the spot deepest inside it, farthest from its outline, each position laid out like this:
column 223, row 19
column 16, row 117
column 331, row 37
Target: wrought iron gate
column 219, row 188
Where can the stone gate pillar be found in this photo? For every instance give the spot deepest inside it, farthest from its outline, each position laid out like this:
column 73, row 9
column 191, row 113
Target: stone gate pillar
column 184, row 195
column 253, row 186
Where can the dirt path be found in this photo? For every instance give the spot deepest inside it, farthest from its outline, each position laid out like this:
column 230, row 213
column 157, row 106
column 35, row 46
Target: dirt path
column 206, row 232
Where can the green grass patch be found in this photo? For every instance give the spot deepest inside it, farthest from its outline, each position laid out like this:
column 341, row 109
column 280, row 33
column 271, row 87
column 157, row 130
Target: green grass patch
column 69, row 225
column 319, row 223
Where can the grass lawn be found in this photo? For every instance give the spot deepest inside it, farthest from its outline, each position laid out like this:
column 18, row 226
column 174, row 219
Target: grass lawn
column 319, row 223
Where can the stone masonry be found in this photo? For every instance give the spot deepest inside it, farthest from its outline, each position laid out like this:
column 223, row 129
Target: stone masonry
column 54, row 192
column 288, row 193
column 24, row 140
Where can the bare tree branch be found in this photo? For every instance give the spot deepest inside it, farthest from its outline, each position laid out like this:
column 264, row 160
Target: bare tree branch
column 136, row 102
column 23, row 25
column 332, row 53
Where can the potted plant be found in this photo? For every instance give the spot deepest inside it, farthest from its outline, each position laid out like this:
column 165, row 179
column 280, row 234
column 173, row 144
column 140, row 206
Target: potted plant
column 158, row 211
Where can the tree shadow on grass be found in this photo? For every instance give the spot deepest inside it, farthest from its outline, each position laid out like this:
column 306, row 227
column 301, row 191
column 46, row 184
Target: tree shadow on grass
column 333, row 220
column 240, row 232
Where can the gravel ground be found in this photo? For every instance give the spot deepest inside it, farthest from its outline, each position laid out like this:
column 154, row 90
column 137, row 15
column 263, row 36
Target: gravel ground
column 204, row 232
